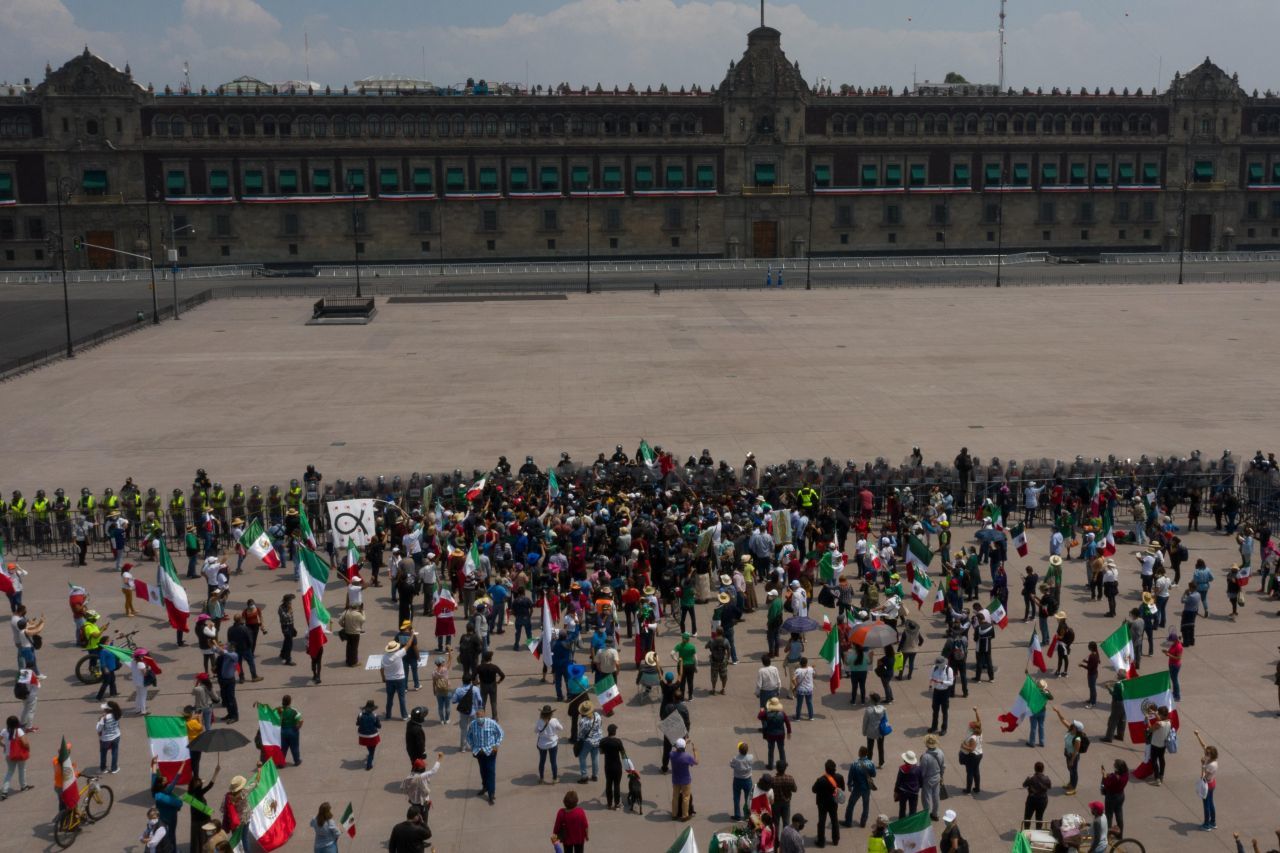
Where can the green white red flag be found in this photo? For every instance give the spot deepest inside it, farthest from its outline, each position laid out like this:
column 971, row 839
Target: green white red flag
column 918, row 554
column 269, row 733
column 1145, row 692
column 646, row 454
column 304, row 527
column 830, row 565
column 477, row 489
column 831, row 654
column 352, row 565
column 349, row 821
column 921, row 587
column 1035, row 654
column 997, row 614
column 271, row 822
column 1119, row 650
column 257, row 543
column 312, row 581
column 171, row 589
column 1019, row 534
column 607, row 695
column 167, row 738
column 64, row 777
column 1030, row 700
column 914, row 834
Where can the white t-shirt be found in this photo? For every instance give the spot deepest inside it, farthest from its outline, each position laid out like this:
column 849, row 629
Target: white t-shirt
column 393, row 664
column 549, row 732
column 804, row 679
column 355, row 594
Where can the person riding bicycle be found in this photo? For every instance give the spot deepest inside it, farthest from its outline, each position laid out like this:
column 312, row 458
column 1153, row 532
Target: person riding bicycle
column 92, row 632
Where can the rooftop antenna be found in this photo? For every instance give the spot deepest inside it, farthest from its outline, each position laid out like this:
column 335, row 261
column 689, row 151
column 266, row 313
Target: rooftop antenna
column 1000, row 87
column 186, row 76
column 306, row 55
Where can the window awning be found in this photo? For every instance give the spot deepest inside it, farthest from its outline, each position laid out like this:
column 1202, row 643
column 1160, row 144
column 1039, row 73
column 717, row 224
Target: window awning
column 1151, row 173
column 706, row 176
column 581, row 176
column 1255, row 173
column 320, row 180
column 488, row 179
column 355, row 179
column 288, row 181
column 893, row 175
column 549, row 177
column 422, row 180
column 1125, row 173
column 253, row 180
column 1204, row 170
column 176, row 183
column 519, row 178
column 611, row 176
column 644, row 176
column 455, row 179
column 95, row 179
column 6, row 185
column 1021, row 174
column 822, row 176
column 765, row 175
column 1102, row 173
column 1049, row 172
column 917, row 174
column 993, row 173
column 389, row 179
column 675, row 177
column 960, row 174
column 870, row 176
column 1275, row 173
column 1078, row 173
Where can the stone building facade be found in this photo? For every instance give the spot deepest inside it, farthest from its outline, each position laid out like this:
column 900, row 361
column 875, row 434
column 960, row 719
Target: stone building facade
column 761, row 165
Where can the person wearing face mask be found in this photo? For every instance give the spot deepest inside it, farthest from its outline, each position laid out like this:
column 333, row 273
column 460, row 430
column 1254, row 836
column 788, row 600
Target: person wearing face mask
column 155, row 838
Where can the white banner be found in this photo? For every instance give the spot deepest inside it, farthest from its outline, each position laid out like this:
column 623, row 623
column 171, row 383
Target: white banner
column 351, row 520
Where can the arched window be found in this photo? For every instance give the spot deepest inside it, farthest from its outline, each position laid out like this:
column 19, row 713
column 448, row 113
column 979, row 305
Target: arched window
column 213, row 126
column 509, row 125
column 442, row 126
column 928, row 124
column 178, row 127
column 353, row 125
column 610, row 125
column 674, row 125
column 882, row 125
column 642, row 125
column 1144, row 124
column 557, row 125
column 477, row 125
column 159, row 126
column 899, row 125
column 304, row 126
column 656, row 125
column 233, row 126
column 525, row 125
column 1031, row 123
column 575, row 125
column 943, row 126
column 1077, row 124
column 988, row 123
column 1088, row 125
column 868, row 125
column 544, row 125
column 1060, row 124
column 1002, row 124
column 321, row 126
column 591, row 126
column 490, row 125
column 690, row 126
column 459, row 126
column 837, row 125
column 1018, row 125
column 250, row 126
column 408, row 126
column 268, row 126
column 971, row 124
column 913, row 125
column 424, row 126
column 373, row 126
column 285, row 126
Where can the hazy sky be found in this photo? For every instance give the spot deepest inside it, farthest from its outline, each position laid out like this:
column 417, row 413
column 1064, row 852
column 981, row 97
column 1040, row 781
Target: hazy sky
column 1088, row 42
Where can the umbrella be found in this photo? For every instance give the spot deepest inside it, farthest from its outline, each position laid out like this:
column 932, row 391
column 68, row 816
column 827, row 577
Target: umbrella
column 799, row 625
column 874, row 635
column 988, row 534
column 219, row 740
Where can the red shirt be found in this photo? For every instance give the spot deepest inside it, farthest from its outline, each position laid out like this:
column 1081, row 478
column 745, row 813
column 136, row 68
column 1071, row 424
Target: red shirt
column 571, row 826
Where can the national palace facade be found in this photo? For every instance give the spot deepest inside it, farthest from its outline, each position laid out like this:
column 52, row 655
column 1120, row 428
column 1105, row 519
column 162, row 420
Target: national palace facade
column 761, row 165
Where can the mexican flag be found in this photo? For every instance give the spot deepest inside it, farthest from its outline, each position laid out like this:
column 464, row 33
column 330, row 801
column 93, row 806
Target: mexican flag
column 6, row 579
column 348, row 821
column 830, row 565
column 1019, row 534
column 914, row 834
column 1095, row 498
column 646, row 453
column 831, row 654
column 64, row 776
column 149, row 593
column 256, row 542
column 304, row 527
column 996, row 613
column 171, row 591
column 535, row 647
column 553, row 486
column 547, row 626
column 477, row 488
column 1119, row 650
column 1242, row 577
column 1152, row 690
column 270, row 820
column 1029, row 701
column 472, row 564
column 921, row 586
column 940, row 600
column 167, row 737
column 685, row 843
column 1108, row 533
column 1035, row 654
column 918, row 554
column 269, row 732
column 352, row 560
column 443, row 602
column 607, row 695
column 126, row 657
column 315, row 572
column 317, row 621
column 993, row 513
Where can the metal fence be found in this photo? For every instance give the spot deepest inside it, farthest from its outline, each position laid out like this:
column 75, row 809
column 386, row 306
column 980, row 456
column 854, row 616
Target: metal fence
column 143, row 274
column 1189, row 257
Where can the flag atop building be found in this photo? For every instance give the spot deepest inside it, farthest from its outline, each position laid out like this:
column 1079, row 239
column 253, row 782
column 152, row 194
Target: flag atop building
column 1030, row 700
column 257, row 543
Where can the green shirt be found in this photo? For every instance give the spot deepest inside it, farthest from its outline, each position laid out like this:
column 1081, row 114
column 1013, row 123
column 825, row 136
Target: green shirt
column 688, row 653
column 289, row 718
column 775, row 610
column 688, row 596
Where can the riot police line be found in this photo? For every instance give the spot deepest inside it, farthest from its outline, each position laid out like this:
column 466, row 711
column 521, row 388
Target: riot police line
column 54, row 526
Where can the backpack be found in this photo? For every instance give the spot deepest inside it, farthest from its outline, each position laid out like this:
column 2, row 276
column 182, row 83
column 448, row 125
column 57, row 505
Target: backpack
column 1084, row 743
column 957, row 651
column 882, row 667
column 440, row 684
column 774, row 724
column 21, row 691
column 1171, row 743
column 464, row 704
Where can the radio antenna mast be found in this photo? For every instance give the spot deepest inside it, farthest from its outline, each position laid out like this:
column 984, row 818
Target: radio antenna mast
column 1001, row 67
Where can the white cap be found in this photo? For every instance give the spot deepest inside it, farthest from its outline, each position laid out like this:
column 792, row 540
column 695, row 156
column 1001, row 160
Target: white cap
column 949, row 816
column 679, row 743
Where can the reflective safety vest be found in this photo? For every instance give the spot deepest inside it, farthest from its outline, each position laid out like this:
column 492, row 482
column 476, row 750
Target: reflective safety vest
column 177, row 504
column 111, row 503
column 295, row 496
column 19, row 508
column 152, row 505
column 40, row 507
column 87, row 502
column 220, row 499
column 61, row 508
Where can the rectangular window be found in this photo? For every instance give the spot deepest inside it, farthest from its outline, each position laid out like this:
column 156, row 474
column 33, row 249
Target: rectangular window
column 1079, row 174
column 6, row 185
column 178, row 223
column 35, row 228
column 518, row 182
column 1085, row 213
column 355, row 180
column 706, row 177
column 892, row 214
column 424, row 246
column 673, row 217
column 253, row 182
column 580, row 178
column 611, row 177
column 424, row 221
column 289, row 225
column 455, row 180
column 1151, row 174
column 613, row 242
column 1122, row 211
column 1021, row 175
column 870, row 175
column 822, row 176
column 675, row 242
column 765, row 175
column 288, row 181
column 644, row 177
column 917, row 174
column 1048, row 212
column 94, row 182
column 1124, row 174
column 1048, row 174
column 6, row 229
column 222, row 225
column 422, row 182
column 551, row 244
column 675, row 177
column 960, row 175
column 489, row 220
column 1275, row 172
column 1148, row 211
column 175, row 183
column 550, row 220
column 893, row 175
column 844, row 215
column 321, row 180
column 1253, row 210
column 1102, row 174
column 548, row 179
column 1203, row 171
column 293, row 247
column 1275, row 210
column 1256, row 172
column 389, row 180
column 993, row 177
column 613, row 219
column 991, row 212
column 939, row 214
column 488, row 179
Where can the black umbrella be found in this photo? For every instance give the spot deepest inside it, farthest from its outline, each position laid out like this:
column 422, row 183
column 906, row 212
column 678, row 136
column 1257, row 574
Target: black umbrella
column 799, row 625
column 219, row 740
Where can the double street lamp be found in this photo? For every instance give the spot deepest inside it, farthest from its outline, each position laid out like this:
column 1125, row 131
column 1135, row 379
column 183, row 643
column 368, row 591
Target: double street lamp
column 62, row 194
column 355, row 232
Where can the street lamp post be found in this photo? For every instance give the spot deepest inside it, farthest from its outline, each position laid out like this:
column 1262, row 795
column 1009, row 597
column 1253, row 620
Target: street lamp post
column 588, row 235
column 174, row 231
column 808, row 246
column 1182, row 212
column 62, row 192
column 151, row 262
column 1000, row 227
column 355, row 234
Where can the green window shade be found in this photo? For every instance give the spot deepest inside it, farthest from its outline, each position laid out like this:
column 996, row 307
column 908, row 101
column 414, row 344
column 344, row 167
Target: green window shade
column 765, row 175
column 1078, row 173
column 612, row 177
column 706, row 177
column 176, row 183
column 893, row 175
column 1048, row 174
column 6, row 185
column 1125, row 173
column 917, row 175
column 321, row 180
column 1275, row 173
column 1151, row 173
column 519, row 179
column 288, row 181
column 675, row 177
column 960, row 175
column 488, row 180
column 870, row 176
column 389, row 179
column 455, row 180
column 822, row 176
column 1255, row 173
column 1204, row 170
column 993, row 173
column 355, row 180
column 1102, row 173
column 95, row 180
column 581, row 177
column 548, row 178
column 1021, row 174
column 253, row 182
column 422, row 180
column 644, row 177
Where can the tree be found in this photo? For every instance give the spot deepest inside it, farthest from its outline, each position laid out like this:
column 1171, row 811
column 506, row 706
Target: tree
column 954, row 77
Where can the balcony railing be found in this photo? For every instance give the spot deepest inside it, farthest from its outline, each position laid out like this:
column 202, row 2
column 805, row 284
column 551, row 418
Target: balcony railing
column 775, row 189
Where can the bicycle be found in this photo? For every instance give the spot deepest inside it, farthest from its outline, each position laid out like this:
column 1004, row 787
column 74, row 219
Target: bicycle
column 93, row 804
column 1046, row 836
column 87, row 669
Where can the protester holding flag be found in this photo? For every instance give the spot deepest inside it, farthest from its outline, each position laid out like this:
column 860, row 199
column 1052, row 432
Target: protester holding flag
column 195, row 797
column 1160, row 728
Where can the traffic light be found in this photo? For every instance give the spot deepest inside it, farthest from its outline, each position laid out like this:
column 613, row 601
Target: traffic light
column 77, row 243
